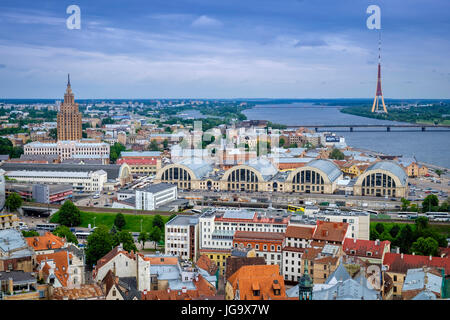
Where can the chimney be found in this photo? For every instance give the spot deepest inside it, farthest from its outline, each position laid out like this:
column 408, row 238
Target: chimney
column 377, row 242
column 10, row 285
column 168, row 290
column 354, row 240
column 398, row 249
column 430, row 257
column 184, row 290
column 413, row 253
column 401, row 256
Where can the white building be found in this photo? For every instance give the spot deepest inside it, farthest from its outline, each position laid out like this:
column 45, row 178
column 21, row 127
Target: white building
column 217, row 228
column 182, row 237
column 91, row 181
column 70, row 150
column 155, row 195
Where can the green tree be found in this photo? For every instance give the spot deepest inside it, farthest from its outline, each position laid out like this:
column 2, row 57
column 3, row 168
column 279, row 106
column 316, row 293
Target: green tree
column 405, row 238
column 394, row 230
column 158, row 222
column 30, row 233
column 69, row 215
column 374, row 235
column 99, row 243
column 53, row 133
column 425, row 247
column 379, row 227
column 439, row 172
column 282, row 142
column 405, row 204
column 421, row 224
column 165, row 143
column 13, row 202
column 155, row 235
column 64, row 232
column 126, row 239
column 336, row 154
column 173, row 215
column 153, row 146
column 115, row 150
column 429, row 202
column 143, row 236
column 119, row 221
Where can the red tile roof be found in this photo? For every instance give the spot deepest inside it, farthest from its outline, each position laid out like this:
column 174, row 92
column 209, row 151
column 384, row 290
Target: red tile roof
column 330, row 231
column 205, row 263
column 400, row 263
column 299, row 232
column 361, row 247
column 85, row 291
column 46, row 242
column 267, row 278
column 61, row 260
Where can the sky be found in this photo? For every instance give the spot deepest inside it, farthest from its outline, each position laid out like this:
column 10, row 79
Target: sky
column 224, row 49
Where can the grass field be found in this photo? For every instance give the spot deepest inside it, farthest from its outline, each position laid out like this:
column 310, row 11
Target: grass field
column 133, row 222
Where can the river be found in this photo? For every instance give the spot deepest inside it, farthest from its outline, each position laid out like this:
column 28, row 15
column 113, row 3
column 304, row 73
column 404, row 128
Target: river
column 431, row 146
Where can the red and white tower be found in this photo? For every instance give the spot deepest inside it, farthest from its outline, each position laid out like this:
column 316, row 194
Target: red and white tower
column 379, row 93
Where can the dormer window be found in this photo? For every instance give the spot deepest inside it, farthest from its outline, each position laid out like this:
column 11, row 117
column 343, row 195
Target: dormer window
column 369, row 254
column 352, row 252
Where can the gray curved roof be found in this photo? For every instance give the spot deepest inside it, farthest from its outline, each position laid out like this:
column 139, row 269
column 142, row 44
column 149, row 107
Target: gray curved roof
column 392, row 167
column 264, row 166
column 200, row 167
column 328, row 167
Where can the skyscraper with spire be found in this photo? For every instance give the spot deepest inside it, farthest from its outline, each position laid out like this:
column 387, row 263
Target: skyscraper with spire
column 69, row 118
column 379, row 93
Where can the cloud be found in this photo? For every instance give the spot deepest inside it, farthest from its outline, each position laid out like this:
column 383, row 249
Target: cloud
column 310, row 43
column 205, row 21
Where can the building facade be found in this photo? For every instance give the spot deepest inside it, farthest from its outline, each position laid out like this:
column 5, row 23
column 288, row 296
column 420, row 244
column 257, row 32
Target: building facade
column 69, row 119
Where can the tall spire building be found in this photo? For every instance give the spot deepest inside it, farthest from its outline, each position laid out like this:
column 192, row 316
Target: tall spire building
column 69, row 118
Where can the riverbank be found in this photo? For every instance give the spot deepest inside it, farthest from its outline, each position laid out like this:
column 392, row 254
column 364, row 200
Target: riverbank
column 436, row 114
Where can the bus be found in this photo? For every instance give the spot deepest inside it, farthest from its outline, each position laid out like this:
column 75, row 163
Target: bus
column 438, row 216
column 82, row 235
column 46, row 226
column 295, row 209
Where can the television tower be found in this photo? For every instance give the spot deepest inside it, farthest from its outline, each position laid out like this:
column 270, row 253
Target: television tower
column 379, row 93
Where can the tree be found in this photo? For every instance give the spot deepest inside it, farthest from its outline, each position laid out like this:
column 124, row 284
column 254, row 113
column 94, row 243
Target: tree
column 439, row 172
column 282, row 142
column 158, row 222
column 69, row 215
column 165, row 143
column 405, row 238
column 173, row 215
column 429, row 202
column 425, row 246
column 30, row 233
column 126, row 239
column 64, row 232
column 379, row 227
column 421, row 224
column 153, row 146
column 336, row 154
column 119, row 221
column 405, row 204
column 100, row 242
column 115, row 150
column 143, row 236
column 394, row 230
column 13, row 202
column 155, row 235
column 53, row 133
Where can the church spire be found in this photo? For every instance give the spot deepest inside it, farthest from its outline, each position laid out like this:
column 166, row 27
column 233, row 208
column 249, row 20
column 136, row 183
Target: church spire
column 68, row 79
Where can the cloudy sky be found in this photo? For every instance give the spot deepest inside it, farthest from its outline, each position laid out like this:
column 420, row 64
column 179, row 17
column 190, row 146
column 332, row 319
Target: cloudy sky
column 224, row 49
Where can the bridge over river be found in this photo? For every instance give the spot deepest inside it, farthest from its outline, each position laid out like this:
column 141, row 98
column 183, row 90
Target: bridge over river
column 351, row 127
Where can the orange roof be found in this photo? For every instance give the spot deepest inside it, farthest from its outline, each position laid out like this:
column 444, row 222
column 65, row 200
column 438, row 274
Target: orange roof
column 205, row 263
column 46, row 242
column 330, row 231
column 299, row 232
column 203, row 290
column 162, row 260
column 85, row 291
column 265, row 277
column 61, row 260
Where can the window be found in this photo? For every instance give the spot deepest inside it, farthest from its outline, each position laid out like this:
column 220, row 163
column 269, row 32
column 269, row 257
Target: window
column 256, row 293
column 114, row 293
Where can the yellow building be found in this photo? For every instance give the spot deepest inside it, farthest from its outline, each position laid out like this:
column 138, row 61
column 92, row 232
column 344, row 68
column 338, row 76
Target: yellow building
column 218, row 256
